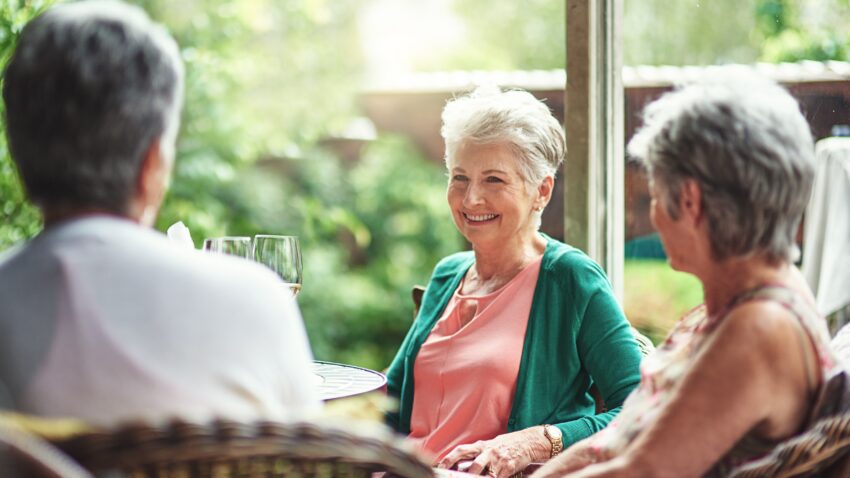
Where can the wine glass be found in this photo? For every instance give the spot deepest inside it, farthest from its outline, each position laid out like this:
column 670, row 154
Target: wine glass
column 232, row 245
column 281, row 254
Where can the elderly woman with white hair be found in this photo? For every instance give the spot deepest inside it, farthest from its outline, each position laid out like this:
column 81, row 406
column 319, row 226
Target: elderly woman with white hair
column 510, row 337
column 730, row 161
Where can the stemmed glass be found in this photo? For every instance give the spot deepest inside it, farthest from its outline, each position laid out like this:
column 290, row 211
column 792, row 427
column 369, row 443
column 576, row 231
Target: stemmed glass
column 281, row 254
column 232, row 245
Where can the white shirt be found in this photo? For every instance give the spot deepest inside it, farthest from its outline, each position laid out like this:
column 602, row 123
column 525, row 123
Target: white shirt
column 104, row 320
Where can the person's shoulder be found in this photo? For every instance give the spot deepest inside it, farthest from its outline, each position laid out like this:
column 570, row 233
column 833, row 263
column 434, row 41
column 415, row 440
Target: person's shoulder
column 223, row 271
column 764, row 326
column 8, row 256
column 34, row 254
column 218, row 276
column 235, row 287
column 570, row 265
column 453, row 263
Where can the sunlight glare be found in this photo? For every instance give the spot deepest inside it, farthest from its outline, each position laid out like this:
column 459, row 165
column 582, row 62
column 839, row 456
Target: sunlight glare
column 396, row 34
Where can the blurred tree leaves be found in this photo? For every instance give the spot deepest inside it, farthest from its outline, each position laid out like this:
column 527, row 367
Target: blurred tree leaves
column 264, row 78
column 689, row 32
column 506, row 36
column 655, row 32
column 18, row 219
column 794, row 30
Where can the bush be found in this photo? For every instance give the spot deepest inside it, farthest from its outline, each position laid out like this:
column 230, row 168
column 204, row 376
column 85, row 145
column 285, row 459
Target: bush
column 656, row 296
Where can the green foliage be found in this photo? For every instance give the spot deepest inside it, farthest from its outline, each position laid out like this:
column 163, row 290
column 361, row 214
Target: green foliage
column 369, row 232
column 804, row 30
column 18, row 219
column 257, row 84
column 656, row 296
column 655, row 32
column 773, row 16
column 688, row 32
column 506, row 35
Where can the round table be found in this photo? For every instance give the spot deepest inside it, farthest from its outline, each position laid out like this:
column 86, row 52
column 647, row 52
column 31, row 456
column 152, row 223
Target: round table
column 336, row 380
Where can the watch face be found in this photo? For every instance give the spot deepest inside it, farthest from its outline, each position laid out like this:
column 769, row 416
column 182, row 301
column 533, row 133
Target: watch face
column 553, row 431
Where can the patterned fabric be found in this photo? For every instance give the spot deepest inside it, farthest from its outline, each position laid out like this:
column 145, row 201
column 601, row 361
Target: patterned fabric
column 664, row 369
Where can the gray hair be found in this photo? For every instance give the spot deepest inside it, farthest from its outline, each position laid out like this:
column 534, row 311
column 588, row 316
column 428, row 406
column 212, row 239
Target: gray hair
column 90, row 87
column 489, row 115
column 743, row 139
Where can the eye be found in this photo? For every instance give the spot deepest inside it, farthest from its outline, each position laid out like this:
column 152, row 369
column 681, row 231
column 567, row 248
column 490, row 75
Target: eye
column 494, row 179
column 459, row 177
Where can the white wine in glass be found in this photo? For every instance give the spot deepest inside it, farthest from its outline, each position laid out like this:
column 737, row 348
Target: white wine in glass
column 232, row 245
column 281, row 254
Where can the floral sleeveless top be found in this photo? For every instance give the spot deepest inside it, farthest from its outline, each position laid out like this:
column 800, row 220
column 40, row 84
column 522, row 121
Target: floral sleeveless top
column 661, row 371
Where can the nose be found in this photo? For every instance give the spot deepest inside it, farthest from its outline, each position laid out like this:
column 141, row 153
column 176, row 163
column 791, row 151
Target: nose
column 474, row 196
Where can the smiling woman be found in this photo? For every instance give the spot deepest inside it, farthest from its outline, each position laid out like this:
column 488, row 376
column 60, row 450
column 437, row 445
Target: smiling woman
column 510, row 336
column 491, row 202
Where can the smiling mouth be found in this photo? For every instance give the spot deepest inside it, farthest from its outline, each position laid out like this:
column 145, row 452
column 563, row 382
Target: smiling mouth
column 479, row 218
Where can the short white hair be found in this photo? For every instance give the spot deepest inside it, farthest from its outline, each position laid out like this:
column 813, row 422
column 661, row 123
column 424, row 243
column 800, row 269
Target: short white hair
column 489, row 115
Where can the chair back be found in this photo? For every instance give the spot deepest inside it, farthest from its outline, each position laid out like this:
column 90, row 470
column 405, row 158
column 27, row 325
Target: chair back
column 225, row 449
column 820, row 451
column 25, row 454
column 824, row 448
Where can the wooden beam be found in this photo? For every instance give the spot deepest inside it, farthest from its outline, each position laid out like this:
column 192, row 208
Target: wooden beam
column 593, row 121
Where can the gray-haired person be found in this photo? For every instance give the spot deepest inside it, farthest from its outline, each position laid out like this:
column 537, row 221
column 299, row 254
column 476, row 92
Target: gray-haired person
column 103, row 318
column 498, row 366
column 730, row 161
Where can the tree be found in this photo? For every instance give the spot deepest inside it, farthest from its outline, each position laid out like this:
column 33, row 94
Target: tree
column 689, row 32
column 803, row 30
column 18, row 219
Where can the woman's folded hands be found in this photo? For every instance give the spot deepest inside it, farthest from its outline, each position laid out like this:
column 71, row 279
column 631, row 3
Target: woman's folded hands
column 502, row 456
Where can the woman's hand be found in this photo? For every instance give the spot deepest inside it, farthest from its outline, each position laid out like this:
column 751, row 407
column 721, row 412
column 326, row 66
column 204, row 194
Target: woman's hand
column 577, row 457
column 504, row 455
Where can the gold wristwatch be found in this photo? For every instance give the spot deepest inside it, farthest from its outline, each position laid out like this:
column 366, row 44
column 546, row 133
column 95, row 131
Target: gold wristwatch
column 553, row 434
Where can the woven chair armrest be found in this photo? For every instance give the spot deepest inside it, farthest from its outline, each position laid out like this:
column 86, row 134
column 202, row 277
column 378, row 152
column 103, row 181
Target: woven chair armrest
column 304, row 448
column 807, row 454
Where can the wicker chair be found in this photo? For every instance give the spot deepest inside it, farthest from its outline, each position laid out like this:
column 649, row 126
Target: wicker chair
column 822, row 451
column 25, row 454
column 225, row 449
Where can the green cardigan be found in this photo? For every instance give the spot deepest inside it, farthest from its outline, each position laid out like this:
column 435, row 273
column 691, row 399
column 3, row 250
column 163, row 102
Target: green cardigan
column 577, row 335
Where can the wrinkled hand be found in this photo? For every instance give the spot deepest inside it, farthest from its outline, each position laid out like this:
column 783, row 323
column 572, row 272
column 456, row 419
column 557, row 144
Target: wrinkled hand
column 575, row 458
column 502, row 456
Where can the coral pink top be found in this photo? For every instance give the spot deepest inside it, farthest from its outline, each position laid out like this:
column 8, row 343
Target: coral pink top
column 466, row 371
